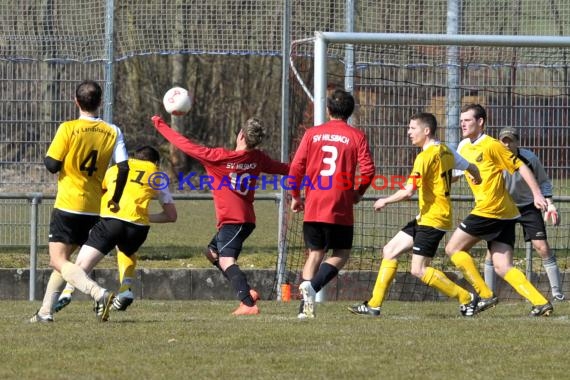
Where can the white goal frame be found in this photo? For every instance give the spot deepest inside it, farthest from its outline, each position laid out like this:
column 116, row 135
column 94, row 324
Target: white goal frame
column 322, row 39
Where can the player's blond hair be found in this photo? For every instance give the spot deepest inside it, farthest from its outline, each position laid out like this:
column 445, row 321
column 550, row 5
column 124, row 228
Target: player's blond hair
column 253, row 132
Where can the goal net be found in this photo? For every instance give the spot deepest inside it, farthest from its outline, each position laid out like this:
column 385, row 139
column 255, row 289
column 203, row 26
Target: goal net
column 522, row 82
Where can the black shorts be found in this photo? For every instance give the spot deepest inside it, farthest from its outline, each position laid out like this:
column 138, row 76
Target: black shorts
column 228, row 241
column 327, row 236
column 490, row 230
column 69, row 228
column 532, row 223
column 426, row 239
column 110, row 232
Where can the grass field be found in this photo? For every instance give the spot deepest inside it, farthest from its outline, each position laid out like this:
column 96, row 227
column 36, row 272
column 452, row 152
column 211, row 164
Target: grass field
column 201, row 340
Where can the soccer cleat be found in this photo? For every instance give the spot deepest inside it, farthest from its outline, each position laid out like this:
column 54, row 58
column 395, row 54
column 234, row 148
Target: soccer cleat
column 364, row 309
column 63, row 301
column 308, row 300
column 559, row 297
column 243, row 309
column 123, row 300
column 486, row 303
column 470, row 309
column 37, row 318
column 103, row 307
column 542, row 310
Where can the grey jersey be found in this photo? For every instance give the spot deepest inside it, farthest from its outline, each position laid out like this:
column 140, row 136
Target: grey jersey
column 516, row 185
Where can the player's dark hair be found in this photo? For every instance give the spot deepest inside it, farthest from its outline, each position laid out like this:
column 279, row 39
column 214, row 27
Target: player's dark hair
column 89, row 95
column 147, row 153
column 340, row 104
column 478, row 111
column 253, row 132
column 427, row 120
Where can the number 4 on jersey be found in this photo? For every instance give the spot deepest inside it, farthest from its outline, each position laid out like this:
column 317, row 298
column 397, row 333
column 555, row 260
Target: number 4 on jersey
column 89, row 164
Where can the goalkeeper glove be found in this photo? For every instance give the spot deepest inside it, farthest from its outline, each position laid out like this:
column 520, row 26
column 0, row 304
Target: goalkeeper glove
column 552, row 215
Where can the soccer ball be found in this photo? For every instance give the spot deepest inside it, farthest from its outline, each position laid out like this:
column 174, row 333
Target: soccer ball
column 177, row 101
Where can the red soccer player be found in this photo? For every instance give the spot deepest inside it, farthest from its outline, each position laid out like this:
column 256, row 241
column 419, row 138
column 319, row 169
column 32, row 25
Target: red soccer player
column 232, row 174
column 327, row 157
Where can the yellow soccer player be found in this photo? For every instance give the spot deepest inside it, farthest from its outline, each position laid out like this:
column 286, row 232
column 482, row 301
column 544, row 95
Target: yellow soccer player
column 431, row 175
column 127, row 229
column 494, row 216
column 80, row 153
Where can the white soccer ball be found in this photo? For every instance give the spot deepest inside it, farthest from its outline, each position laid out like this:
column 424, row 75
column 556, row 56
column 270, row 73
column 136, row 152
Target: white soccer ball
column 177, row 101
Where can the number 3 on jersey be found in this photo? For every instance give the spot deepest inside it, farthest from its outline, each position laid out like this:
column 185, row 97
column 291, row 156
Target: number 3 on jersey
column 89, row 164
column 331, row 154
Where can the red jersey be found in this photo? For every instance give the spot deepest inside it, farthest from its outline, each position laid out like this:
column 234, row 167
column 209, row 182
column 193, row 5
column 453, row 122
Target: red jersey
column 325, row 167
column 232, row 174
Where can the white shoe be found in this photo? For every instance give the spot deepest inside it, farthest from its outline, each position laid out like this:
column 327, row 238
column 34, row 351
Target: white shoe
column 308, row 300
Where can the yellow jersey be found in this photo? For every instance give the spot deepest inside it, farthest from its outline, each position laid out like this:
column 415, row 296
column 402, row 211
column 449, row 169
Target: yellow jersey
column 85, row 147
column 137, row 194
column 492, row 200
column 431, row 173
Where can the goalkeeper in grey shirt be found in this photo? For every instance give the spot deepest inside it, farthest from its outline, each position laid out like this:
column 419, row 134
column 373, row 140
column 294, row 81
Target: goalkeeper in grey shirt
column 531, row 218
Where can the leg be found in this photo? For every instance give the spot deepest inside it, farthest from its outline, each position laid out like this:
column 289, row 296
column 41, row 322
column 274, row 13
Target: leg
column 489, row 272
column 212, row 254
column 456, row 249
column 59, row 254
column 229, row 242
column 400, row 243
column 126, row 265
column 320, row 237
column 550, row 267
column 314, row 260
column 503, row 260
column 76, row 274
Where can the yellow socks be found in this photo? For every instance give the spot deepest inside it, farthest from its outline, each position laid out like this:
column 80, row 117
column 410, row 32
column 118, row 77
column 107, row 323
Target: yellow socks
column 438, row 280
column 518, row 281
column 126, row 265
column 386, row 274
column 465, row 263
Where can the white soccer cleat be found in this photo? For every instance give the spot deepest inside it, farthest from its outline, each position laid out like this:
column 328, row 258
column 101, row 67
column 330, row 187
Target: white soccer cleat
column 309, row 295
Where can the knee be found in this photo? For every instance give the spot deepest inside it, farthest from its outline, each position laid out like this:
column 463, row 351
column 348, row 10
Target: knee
column 502, row 269
column 417, row 272
column 542, row 250
column 450, row 250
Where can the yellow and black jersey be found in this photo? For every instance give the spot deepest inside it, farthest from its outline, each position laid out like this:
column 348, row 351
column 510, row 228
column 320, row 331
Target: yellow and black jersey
column 432, row 172
column 492, row 199
column 137, row 194
column 85, row 147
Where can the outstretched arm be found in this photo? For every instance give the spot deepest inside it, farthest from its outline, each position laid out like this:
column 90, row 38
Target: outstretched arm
column 199, row 152
column 400, row 195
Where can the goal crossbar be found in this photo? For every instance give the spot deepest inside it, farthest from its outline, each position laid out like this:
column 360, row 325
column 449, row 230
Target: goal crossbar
column 322, row 39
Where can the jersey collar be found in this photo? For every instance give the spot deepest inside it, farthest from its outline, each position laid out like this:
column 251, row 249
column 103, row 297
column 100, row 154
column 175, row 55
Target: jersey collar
column 481, row 135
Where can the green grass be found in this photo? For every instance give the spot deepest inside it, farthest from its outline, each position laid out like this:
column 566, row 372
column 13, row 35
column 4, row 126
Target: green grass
column 200, row 339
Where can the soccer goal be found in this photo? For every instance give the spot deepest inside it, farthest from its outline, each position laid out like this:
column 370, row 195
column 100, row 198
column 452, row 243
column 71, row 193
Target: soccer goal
column 521, row 80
